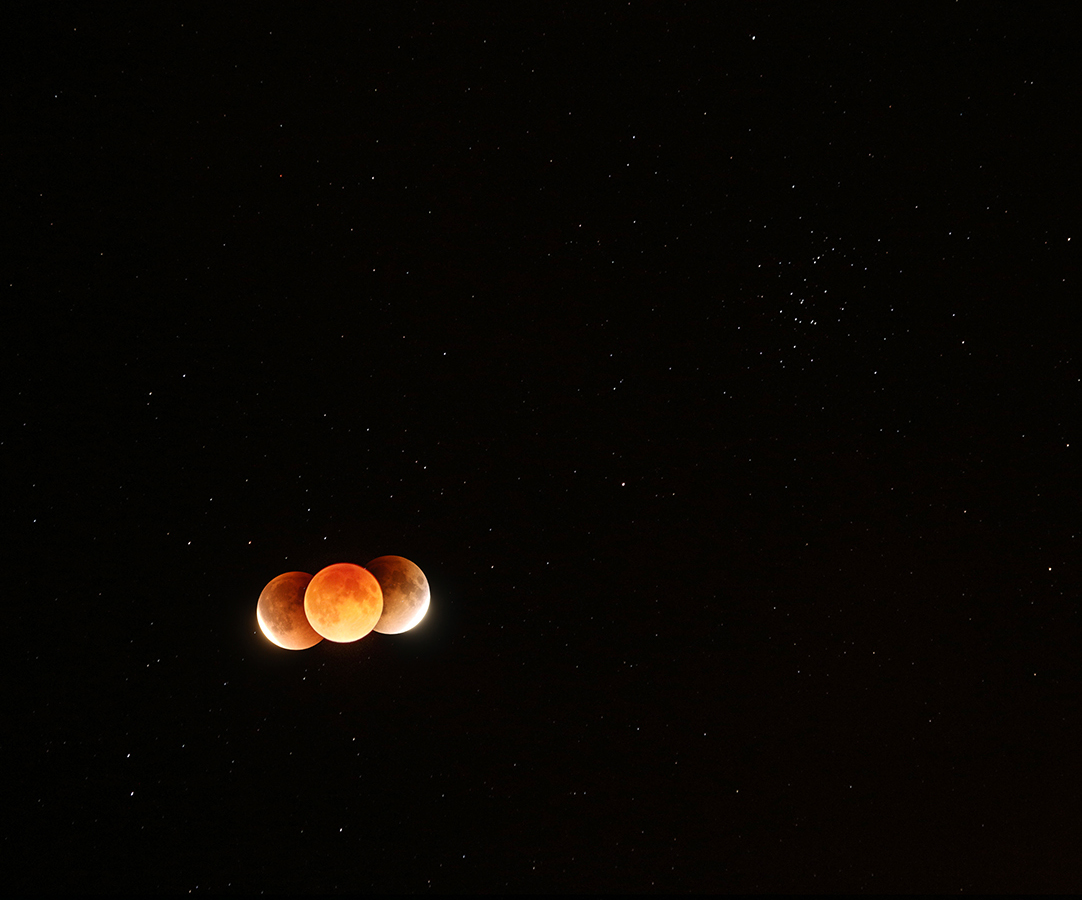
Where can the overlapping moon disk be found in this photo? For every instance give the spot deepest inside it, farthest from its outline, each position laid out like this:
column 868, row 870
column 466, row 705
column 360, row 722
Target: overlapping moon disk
column 406, row 595
column 280, row 612
column 343, row 602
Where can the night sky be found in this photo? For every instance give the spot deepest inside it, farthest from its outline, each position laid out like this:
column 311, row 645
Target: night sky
column 717, row 363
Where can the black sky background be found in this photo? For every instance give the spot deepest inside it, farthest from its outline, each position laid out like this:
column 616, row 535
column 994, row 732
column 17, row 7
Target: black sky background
column 718, row 366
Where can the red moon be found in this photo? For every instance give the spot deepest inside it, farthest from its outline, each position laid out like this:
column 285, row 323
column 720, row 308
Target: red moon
column 343, row 602
column 405, row 593
column 280, row 612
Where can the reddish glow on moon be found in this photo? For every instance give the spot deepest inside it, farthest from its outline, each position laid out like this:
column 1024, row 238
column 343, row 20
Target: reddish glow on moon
column 343, row 602
column 280, row 612
column 406, row 595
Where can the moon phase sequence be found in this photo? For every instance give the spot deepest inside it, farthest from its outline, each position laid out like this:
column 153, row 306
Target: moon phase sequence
column 343, row 602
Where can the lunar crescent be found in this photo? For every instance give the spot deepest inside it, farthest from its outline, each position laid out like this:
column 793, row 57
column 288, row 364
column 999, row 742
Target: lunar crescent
column 406, row 595
column 280, row 612
column 343, row 602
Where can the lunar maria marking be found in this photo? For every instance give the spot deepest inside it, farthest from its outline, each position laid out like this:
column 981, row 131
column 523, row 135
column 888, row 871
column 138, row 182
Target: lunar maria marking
column 406, row 595
column 280, row 612
column 343, row 602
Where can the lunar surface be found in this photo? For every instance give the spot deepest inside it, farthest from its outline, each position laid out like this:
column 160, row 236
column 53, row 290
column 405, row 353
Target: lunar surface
column 280, row 612
column 405, row 593
column 343, row 602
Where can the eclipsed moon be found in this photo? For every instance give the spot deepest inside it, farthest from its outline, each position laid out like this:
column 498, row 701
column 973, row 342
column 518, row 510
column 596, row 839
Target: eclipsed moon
column 343, row 602
column 280, row 612
column 405, row 593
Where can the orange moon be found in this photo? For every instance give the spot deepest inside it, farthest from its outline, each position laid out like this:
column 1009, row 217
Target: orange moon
column 280, row 612
column 343, row 602
column 405, row 593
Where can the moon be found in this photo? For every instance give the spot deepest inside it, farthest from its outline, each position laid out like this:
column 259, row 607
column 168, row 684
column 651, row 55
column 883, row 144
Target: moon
column 405, row 593
column 280, row 612
column 343, row 602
